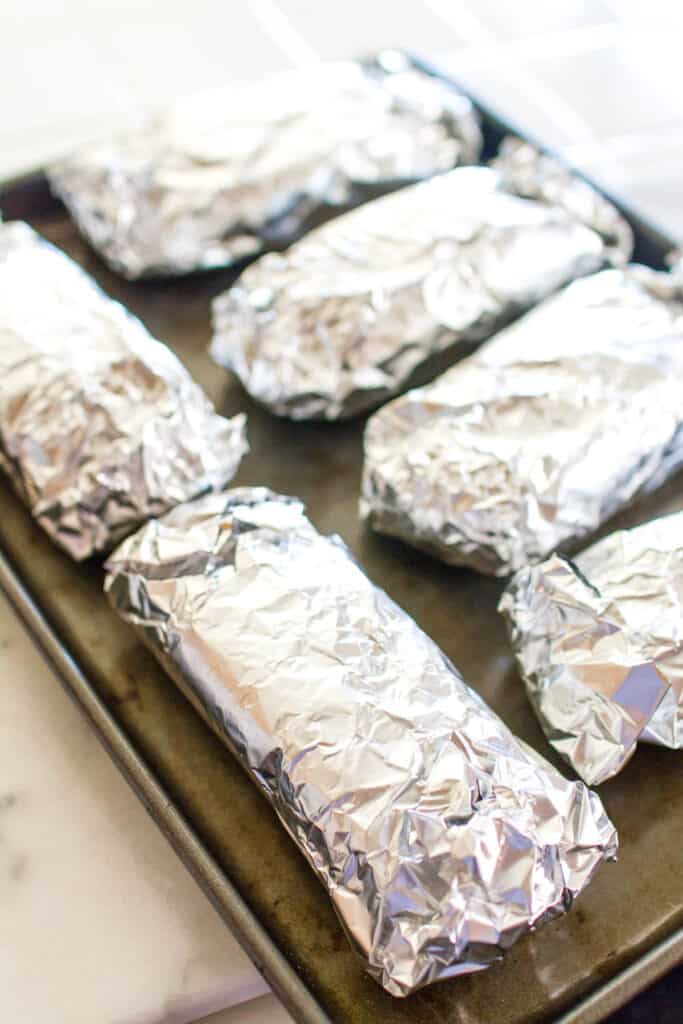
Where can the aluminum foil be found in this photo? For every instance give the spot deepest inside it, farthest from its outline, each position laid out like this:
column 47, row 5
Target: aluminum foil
column 440, row 837
column 531, row 444
column 100, row 426
column 226, row 174
column 599, row 644
column 340, row 322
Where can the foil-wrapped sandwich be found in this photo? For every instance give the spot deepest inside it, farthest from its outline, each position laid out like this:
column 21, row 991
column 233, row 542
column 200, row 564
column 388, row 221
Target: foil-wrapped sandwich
column 532, row 443
column 599, row 644
column 440, row 837
column 100, row 426
column 341, row 321
column 228, row 173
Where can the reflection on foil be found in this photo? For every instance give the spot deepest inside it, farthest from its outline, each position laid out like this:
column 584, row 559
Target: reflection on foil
column 231, row 172
column 556, row 424
column 340, row 322
column 599, row 644
column 440, row 837
column 100, row 426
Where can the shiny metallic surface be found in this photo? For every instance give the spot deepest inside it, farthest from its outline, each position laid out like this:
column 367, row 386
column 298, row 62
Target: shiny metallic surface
column 528, row 446
column 599, row 644
column 340, row 322
column 440, row 837
column 101, row 426
column 229, row 173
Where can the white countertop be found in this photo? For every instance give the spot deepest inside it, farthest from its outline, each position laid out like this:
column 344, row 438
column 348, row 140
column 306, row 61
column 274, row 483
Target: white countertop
column 101, row 921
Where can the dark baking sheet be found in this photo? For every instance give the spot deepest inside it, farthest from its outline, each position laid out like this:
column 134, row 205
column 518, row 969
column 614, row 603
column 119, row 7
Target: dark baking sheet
column 627, row 928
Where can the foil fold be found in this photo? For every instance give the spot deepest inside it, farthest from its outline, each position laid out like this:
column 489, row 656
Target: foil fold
column 348, row 316
column 530, row 445
column 101, row 426
column 440, row 837
column 228, row 173
column 599, row 645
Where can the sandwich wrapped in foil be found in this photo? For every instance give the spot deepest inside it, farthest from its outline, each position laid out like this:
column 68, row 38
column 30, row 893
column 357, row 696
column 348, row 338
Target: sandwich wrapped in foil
column 229, row 173
column 440, row 837
column 532, row 443
column 599, row 644
column 340, row 322
column 100, row 426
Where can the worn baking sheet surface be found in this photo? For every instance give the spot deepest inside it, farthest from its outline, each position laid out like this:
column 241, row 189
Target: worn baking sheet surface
column 629, row 908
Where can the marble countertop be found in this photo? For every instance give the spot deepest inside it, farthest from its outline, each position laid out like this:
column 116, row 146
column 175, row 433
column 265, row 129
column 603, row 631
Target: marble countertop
column 103, row 922
column 266, row 1010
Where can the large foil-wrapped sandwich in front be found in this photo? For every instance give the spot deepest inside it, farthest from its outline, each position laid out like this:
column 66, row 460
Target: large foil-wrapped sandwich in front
column 531, row 444
column 228, row 173
column 408, row 283
column 599, row 644
column 101, row 426
column 440, row 837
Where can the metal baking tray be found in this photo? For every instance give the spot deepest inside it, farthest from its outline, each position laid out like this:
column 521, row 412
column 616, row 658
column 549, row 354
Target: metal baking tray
column 622, row 934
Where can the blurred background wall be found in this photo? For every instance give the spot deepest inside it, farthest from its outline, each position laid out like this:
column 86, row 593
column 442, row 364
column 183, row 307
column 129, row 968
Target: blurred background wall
column 600, row 80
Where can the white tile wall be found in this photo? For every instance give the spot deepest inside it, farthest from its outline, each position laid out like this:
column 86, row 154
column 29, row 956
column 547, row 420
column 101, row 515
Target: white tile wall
column 584, row 75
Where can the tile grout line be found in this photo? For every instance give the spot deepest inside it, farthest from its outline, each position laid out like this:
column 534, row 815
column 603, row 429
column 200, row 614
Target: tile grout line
column 281, row 30
column 545, row 97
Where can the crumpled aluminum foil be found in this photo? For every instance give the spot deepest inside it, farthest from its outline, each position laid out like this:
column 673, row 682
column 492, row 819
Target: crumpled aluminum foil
column 229, row 173
column 340, row 322
column 531, row 444
column 599, row 645
column 440, row 837
column 101, row 426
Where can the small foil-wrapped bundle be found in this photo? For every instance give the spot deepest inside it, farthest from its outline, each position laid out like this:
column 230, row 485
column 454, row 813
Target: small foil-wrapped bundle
column 599, row 645
column 226, row 174
column 101, row 426
column 532, row 443
column 340, row 322
column 440, row 837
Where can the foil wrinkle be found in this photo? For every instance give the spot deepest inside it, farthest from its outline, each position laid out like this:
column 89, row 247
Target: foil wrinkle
column 440, row 837
column 351, row 314
column 225, row 174
column 530, row 445
column 599, row 645
column 101, row 426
